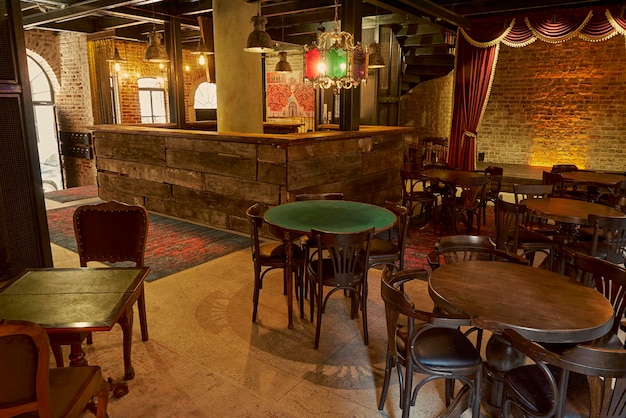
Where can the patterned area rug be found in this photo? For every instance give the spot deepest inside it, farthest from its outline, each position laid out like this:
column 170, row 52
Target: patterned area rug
column 172, row 246
column 72, row 194
column 421, row 240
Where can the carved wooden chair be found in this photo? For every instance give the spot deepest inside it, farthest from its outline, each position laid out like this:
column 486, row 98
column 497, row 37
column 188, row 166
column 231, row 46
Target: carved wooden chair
column 112, row 232
column 563, row 188
column 586, row 380
column 28, row 386
column 430, row 344
column 269, row 257
column 494, row 175
column 512, row 237
column 387, row 252
column 340, row 263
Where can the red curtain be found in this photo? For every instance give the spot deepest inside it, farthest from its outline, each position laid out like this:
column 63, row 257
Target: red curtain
column 477, row 53
column 475, row 68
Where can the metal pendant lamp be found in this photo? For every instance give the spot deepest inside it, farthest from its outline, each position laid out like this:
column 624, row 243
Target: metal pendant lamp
column 282, row 66
column 259, row 41
column 156, row 52
column 375, row 59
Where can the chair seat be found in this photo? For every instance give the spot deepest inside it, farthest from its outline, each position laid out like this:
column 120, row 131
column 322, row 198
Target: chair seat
column 276, row 253
column 382, row 247
column 69, row 383
column 530, row 387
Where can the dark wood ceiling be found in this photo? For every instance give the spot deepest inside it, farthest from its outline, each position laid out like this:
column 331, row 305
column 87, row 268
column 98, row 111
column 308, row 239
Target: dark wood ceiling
column 294, row 21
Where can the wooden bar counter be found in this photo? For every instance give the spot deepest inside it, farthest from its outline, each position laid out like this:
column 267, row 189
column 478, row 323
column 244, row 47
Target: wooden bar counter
column 213, row 177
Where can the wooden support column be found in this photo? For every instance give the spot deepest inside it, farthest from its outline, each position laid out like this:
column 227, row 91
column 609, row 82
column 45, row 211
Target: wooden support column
column 176, row 87
column 350, row 99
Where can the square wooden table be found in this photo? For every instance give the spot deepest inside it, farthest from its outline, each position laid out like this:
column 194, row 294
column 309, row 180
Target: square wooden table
column 68, row 302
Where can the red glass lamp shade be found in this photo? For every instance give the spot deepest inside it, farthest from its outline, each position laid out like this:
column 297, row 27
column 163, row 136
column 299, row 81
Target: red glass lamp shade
column 312, row 61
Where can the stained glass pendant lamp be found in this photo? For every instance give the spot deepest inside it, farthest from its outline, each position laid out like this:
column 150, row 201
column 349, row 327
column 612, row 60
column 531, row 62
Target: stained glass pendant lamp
column 334, row 61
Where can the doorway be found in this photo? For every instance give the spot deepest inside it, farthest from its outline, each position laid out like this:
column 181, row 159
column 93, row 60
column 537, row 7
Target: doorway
column 46, row 127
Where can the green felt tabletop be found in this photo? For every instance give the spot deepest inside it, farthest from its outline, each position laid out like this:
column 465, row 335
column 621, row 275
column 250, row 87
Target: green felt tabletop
column 329, row 215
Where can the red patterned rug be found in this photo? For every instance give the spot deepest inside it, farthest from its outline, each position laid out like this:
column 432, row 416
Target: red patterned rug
column 72, row 194
column 421, row 241
column 173, row 245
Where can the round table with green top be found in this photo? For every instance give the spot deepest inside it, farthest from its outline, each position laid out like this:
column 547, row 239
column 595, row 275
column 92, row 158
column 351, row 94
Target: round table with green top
column 291, row 220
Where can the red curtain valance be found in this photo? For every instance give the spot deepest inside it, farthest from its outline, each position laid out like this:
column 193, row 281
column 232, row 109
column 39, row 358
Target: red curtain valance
column 477, row 54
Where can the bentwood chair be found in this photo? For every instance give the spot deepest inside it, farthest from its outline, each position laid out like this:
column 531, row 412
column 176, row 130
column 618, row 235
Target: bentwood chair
column 29, row 387
column 388, row 252
column 534, row 191
column 606, row 277
column 428, row 344
column 583, row 381
column 339, row 263
column 494, row 175
column 459, row 248
column 465, row 202
column 510, row 236
column 415, row 192
column 116, row 233
column 268, row 257
column 608, row 241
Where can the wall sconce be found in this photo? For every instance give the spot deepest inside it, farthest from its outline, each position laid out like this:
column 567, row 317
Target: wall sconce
column 334, row 60
column 282, row 66
column 156, row 52
column 259, row 41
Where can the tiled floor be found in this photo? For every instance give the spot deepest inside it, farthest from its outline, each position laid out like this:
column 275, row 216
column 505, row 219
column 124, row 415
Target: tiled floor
column 205, row 357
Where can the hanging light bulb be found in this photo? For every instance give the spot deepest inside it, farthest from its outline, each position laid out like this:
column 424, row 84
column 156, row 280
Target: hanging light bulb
column 259, row 41
column 116, row 59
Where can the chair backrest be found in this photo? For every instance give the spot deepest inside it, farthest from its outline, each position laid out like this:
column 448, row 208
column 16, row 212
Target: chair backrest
column 618, row 201
column 494, row 175
column 508, row 219
column 562, row 168
column 613, row 236
column 349, row 253
column 470, row 190
column 402, row 223
column 458, row 248
column 256, row 222
column 606, row 368
column 111, row 231
column 556, row 181
column 606, row 277
column 320, row 196
column 24, row 362
column 534, row 191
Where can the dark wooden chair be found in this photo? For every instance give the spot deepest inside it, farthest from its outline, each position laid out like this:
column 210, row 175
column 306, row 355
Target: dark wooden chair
column 608, row 240
column 459, row 248
column 430, row 344
column 340, row 263
column 271, row 256
column 562, row 168
column 116, row 233
column 494, row 175
column 29, row 387
column 563, row 188
column 415, row 192
column 534, row 191
column 510, row 236
column 584, row 381
column 464, row 203
column 390, row 252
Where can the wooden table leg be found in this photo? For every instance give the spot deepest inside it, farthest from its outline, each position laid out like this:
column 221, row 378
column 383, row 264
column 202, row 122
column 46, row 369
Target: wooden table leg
column 288, row 277
column 126, row 322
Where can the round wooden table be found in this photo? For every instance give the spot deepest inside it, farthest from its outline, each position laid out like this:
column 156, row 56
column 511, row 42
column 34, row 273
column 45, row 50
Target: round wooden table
column 453, row 176
column 569, row 211
column 292, row 220
column 594, row 181
column 541, row 305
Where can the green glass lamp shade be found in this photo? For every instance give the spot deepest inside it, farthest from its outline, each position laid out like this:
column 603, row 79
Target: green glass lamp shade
column 336, row 62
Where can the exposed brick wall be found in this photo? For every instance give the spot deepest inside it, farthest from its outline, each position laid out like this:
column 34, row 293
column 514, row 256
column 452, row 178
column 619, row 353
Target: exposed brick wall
column 558, row 103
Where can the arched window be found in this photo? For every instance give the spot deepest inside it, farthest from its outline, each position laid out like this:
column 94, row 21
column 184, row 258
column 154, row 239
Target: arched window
column 151, row 100
column 205, row 101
